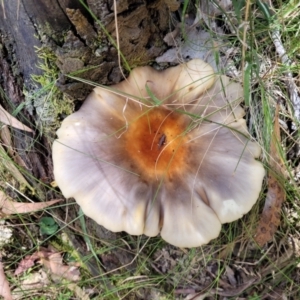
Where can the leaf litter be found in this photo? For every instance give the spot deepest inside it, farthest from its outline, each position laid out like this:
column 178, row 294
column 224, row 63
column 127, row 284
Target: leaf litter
column 8, row 206
column 54, row 268
column 52, row 261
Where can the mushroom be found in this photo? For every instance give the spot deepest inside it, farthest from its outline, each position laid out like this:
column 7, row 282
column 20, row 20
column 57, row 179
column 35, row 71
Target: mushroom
column 161, row 152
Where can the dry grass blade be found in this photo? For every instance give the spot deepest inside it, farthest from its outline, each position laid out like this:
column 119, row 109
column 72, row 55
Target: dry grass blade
column 8, row 119
column 14, row 171
column 4, row 286
column 9, row 157
column 8, row 206
column 6, row 139
column 270, row 218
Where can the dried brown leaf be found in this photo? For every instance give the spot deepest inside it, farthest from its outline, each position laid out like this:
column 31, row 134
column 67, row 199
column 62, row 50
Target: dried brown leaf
column 8, row 119
column 10, row 166
column 170, row 37
column 270, row 217
column 33, row 282
column 4, row 285
column 26, row 263
column 54, row 263
column 7, row 142
column 6, row 138
column 8, row 206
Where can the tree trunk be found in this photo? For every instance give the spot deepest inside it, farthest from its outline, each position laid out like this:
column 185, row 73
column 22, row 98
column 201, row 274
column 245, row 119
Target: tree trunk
column 80, row 38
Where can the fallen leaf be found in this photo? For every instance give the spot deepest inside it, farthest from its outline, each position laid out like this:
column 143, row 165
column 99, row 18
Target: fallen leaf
column 26, row 263
column 38, row 281
column 202, row 41
column 270, row 217
column 8, row 119
column 170, row 38
column 4, row 286
column 33, row 282
column 54, row 263
column 8, row 206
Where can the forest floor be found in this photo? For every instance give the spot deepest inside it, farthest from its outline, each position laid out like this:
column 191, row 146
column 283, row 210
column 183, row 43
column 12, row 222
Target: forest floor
column 54, row 252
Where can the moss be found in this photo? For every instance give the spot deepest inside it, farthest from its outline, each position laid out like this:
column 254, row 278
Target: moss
column 49, row 104
column 48, row 35
column 138, row 61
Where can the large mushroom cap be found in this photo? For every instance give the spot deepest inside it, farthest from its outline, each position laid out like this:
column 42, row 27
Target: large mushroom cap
column 164, row 152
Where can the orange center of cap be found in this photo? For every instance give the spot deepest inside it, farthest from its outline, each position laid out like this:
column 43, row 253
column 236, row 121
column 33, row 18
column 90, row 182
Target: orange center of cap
column 156, row 143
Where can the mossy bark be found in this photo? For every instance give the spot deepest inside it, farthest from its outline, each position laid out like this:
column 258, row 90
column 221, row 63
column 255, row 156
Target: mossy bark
column 81, row 37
